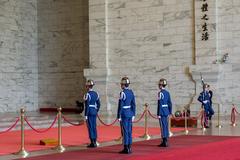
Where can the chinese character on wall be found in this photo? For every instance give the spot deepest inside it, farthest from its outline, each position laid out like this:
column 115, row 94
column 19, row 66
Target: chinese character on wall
column 204, row 18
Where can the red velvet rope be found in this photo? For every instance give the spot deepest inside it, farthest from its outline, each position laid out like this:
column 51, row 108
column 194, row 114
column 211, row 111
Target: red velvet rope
column 199, row 115
column 68, row 121
column 202, row 118
column 155, row 117
column 40, row 131
column 236, row 111
column 105, row 124
column 11, row 127
column 194, row 118
column 140, row 117
column 233, row 115
column 178, row 118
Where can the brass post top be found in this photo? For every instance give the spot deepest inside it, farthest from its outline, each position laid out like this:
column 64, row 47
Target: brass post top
column 22, row 110
column 59, row 109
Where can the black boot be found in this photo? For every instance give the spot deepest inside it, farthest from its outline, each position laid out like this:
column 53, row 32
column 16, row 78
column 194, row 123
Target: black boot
column 95, row 143
column 165, row 142
column 162, row 143
column 130, row 148
column 91, row 145
column 125, row 150
column 210, row 118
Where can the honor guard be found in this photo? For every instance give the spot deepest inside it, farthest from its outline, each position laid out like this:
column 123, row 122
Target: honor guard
column 163, row 111
column 126, row 114
column 92, row 106
column 211, row 111
column 204, row 98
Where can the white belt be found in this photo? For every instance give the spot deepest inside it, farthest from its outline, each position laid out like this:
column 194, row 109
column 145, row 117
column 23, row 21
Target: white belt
column 93, row 106
column 165, row 105
column 126, row 107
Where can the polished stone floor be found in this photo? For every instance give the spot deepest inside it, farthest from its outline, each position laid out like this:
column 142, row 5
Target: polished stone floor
column 226, row 130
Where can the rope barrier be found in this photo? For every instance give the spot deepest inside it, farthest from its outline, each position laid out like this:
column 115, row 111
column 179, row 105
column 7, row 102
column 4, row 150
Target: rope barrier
column 198, row 115
column 105, row 124
column 40, row 131
column 236, row 111
column 140, row 117
column 60, row 148
column 178, row 118
column 22, row 152
column 68, row 121
column 153, row 116
column 11, row 127
column 146, row 135
column 233, row 116
column 202, row 118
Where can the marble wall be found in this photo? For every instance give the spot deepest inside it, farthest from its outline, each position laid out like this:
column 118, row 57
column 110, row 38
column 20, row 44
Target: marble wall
column 62, row 51
column 224, row 77
column 150, row 39
column 18, row 55
column 228, row 42
column 145, row 40
column 43, row 50
column 46, row 44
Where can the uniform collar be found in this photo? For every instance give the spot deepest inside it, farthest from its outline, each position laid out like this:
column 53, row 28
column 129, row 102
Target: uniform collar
column 90, row 89
column 162, row 89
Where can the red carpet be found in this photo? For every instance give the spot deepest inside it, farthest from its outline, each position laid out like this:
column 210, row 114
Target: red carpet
column 182, row 148
column 10, row 142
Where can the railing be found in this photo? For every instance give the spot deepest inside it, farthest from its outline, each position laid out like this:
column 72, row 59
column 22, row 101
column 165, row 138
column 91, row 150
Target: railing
column 146, row 114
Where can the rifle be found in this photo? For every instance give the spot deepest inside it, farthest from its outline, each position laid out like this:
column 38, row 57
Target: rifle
column 203, row 84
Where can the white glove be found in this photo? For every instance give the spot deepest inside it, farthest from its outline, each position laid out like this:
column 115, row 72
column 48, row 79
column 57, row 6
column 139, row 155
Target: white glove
column 159, row 117
column 86, row 117
column 133, row 118
column 205, row 101
column 119, row 119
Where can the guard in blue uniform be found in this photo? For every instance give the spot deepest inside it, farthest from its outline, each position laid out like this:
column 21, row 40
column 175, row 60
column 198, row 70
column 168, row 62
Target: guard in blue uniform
column 211, row 111
column 204, row 98
column 92, row 106
column 126, row 114
column 164, row 111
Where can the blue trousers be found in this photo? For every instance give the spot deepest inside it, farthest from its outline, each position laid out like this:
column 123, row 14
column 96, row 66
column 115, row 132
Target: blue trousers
column 163, row 121
column 126, row 126
column 211, row 111
column 92, row 127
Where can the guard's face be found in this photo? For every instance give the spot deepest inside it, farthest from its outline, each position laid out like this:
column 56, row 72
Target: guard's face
column 87, row 87
column 206, row 89
column 160, row 86
column 122, row 86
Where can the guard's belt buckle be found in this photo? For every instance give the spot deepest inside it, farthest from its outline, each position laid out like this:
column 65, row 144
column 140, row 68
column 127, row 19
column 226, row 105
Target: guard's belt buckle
column 165, row 105
column 126, row 107
column 93, row 106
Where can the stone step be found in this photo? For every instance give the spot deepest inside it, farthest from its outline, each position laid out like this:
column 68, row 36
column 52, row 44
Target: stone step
column 37, row 121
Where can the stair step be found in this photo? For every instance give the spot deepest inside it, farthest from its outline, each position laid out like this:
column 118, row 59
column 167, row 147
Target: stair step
column 38, row 121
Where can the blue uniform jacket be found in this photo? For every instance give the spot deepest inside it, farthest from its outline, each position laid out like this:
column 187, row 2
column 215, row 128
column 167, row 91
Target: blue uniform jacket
column 210, row 97
column 204, row 96
column 164, row 103
column 92, row 103
column 126, row 104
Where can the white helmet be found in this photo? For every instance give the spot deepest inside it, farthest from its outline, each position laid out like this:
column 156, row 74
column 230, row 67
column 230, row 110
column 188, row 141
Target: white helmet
column 90, row 83
column 163, row 82
column 125, row 81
